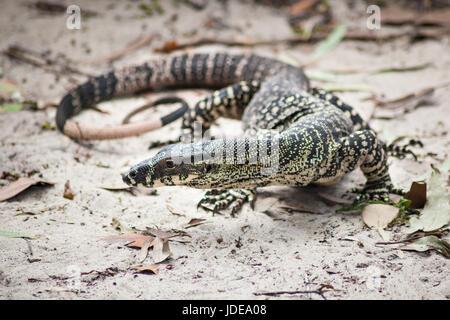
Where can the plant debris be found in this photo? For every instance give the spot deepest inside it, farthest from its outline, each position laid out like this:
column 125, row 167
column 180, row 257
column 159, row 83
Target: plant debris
column 195, row 222
column 378, row 216
column 417, row 194
column 152, row 268
column 68, row 192
column 18, row 186
column 436, row 212
column 161, row 250
column 13, row 234
column 175, row 211
column 429, row 243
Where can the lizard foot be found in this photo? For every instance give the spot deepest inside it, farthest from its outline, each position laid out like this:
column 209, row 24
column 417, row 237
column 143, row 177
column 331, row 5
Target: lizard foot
column 375, row 194
column 222, row 199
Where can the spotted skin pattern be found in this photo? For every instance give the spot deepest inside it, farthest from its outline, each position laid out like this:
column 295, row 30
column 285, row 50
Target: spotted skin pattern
column 293, row 134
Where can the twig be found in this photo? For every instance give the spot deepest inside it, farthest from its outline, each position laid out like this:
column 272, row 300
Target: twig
column 132, row 46
column 320, row 291
column 171, row 46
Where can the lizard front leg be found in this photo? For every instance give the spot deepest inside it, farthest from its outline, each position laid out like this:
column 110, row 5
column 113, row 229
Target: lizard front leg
column 222, row 199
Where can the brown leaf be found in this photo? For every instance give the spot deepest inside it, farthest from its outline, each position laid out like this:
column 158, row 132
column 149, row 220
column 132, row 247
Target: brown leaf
column 21, row 184
column 144, row 249
column 417, row 194
column 161, row 250
column 409, row 101
column 168, row 46
column 148, row 268
column 119, row 187
column 138, row 240
column 301, row 7
column 68, row 192
column 175, row 211
column 162, row 233
column 194, row 222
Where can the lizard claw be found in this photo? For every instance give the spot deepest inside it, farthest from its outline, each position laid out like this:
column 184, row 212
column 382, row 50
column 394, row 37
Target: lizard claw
column 223, row 199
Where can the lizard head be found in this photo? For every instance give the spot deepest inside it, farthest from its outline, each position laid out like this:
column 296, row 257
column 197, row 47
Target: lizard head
column 201, row 165
column 174, row 165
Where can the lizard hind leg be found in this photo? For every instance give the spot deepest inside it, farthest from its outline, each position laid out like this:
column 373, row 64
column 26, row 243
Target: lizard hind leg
column 362, row 148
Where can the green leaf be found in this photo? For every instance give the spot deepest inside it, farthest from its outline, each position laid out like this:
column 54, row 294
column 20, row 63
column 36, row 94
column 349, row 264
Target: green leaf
column 429, row 243
column 436, row 212
column 404, row 69
column 8, row 107
column 333, row 39
column 320, row 75
column 12, row 234
column 346, row 87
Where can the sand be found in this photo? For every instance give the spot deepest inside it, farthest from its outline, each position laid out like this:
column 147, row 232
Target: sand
column 267, row 249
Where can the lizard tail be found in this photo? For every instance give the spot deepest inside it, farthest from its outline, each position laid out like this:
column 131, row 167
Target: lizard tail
column 213, row 70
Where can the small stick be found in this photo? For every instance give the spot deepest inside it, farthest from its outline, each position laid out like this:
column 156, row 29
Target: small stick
column 134, row 45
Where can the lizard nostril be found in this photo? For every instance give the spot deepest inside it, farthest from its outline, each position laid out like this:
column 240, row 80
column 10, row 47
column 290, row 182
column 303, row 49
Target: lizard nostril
column 133, row 174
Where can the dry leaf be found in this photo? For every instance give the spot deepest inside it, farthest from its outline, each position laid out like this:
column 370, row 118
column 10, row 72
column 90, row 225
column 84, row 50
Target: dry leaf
column 417, row 194
column 20, row 185
column 144, row 249
column 436, row 212
column 162, row 233
column 175, row 211
column 301, row 7
column 161, row 250
column 429, row 243
column 68, row 192
column 150, row 267
column 119, row 187
column 168, row 46
column 194, row 222
column 378, row 216
column 137, row 240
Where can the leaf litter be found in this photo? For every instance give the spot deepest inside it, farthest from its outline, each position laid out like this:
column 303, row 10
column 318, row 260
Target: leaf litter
column 20, row 185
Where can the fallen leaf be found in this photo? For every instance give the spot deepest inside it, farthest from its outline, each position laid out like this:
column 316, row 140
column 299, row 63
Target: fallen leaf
column 21, row 184
column 417, row 194
column 436, row 212
column 378, row 216
column 195, row 222
column 161, row 233
column 68, row 192
column 12, row 234
column 10, row 107
column 408, row 102
column 302, row 6
column 150, row 267
column 404, row 69
column 137, row 240
column 144, row 249
column 161, row 250
column 429, row 243
column 168, row 46
column 175, row 211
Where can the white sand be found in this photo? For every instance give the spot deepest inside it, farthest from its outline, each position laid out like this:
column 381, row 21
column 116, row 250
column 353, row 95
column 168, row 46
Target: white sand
column 226, row 257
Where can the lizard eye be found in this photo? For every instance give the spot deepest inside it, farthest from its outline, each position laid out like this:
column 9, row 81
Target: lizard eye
column 169, row 164
column 133, row 174
column 208, row 168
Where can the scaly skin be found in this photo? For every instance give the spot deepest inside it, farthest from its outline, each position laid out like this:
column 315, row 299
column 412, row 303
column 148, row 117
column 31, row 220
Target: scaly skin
column 294, row 135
